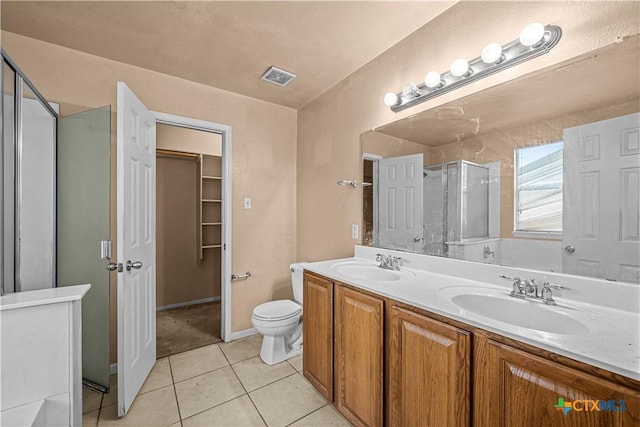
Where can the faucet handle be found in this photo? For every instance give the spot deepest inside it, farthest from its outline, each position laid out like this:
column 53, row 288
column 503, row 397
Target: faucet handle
column 379, row 257
column 558, row 287
column 395, row 262
column 546, row 294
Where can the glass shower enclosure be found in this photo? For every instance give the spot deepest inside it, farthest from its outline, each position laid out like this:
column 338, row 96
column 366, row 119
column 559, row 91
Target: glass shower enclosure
column 456, row 204
column 54, row 205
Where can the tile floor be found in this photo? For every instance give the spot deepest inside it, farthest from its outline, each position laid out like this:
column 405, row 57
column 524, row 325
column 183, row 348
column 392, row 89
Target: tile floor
column 224, row 384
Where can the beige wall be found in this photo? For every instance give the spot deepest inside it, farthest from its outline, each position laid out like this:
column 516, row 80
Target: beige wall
column 192, row 141
column 329, row 127
column 181, row 275
column 263, row 157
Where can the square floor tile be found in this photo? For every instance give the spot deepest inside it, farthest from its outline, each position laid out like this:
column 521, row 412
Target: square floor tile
column 156, row 408
column 287, row 400
column 237, row 412
column 90, row 419
column 196, row 362
column 296, row 362
column 91, row 400
column 208, row 390
column 160, row 376
column 243, row 349
column 326, row 416
column 254, row 373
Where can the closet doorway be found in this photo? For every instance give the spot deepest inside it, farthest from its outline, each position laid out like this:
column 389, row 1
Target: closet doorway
column 189, row 226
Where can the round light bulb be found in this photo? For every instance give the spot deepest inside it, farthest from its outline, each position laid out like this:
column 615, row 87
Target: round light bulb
column 491, row 53
column 390, row 99
column 432, row 79
column 459, row 67
column 532, row 34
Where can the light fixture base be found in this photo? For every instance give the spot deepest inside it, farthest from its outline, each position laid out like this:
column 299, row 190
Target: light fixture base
column 513, row 53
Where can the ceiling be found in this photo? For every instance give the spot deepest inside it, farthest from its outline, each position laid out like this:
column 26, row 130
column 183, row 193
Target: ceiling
column 229, row 44
column 591, row 82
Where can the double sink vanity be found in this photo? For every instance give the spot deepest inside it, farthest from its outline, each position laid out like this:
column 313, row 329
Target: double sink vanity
column 440, row 342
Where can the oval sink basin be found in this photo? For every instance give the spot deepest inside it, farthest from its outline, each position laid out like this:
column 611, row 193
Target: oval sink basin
column 520, row 312
column 366, row 272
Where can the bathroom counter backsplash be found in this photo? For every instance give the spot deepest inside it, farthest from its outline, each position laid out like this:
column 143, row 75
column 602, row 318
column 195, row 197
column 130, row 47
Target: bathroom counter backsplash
column 609, row 310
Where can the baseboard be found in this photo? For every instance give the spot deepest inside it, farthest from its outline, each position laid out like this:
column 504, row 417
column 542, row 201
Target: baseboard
column 243, row 334
column 113, row 369
column 184, row 304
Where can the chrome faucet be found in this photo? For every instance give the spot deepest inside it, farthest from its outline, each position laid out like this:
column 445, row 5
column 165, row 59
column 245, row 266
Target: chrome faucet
column 529, row 289
column 388, row 262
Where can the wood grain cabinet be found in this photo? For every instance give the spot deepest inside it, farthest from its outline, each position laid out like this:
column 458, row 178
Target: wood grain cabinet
column 317, row 357
column 359, row 339
column 381, row 361
column 514, row 388
column 429, row 368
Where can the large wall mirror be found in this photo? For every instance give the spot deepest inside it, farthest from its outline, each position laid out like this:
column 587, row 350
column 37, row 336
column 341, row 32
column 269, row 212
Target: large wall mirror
column 541, row 172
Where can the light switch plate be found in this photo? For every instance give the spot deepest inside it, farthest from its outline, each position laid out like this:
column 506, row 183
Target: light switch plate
column 247, row 202
column 354, row 231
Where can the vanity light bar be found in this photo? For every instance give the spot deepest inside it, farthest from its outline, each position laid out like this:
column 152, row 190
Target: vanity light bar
column 535, row 40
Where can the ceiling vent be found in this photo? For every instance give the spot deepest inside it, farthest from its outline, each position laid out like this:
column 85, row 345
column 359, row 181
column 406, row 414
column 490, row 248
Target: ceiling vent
column 277, row 76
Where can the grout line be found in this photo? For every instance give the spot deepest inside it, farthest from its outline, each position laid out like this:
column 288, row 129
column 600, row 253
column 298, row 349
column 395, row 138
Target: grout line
column 272, row 382
column 212, row 407
column 257, row 410
column 175, row 392
column 99, row 410
column 249, row 396
column 304, row 416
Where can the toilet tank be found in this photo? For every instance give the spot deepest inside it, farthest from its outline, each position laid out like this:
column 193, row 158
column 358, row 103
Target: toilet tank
column 296, row 280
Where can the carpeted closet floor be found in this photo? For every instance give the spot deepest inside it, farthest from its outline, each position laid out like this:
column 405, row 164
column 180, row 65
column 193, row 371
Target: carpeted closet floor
column 186, row 328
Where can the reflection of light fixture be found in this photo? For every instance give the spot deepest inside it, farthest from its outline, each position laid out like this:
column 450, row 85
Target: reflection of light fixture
column 535, row 40
column 354, row 184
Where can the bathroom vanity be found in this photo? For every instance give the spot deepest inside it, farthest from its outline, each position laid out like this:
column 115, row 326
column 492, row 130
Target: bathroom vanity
column 41, row 366
column 397, row 348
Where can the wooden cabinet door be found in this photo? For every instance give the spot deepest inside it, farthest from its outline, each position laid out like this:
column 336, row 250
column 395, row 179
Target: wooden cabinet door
column 429, row 368
column 359, row 356
column 514, row 388
column 317, row 356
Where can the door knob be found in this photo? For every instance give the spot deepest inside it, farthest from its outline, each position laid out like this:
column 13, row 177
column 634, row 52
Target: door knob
column 137, row 265
column 417, row 238
column 570, row 249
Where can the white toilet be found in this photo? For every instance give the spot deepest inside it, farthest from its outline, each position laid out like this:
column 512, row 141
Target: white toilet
column 279, row 322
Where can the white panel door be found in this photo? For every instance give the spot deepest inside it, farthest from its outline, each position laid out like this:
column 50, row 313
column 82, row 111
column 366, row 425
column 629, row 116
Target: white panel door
column 136, row 223
column 601, row 224
column 400, row 202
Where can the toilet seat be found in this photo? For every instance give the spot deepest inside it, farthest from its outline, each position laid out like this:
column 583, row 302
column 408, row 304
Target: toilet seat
column 277, row 310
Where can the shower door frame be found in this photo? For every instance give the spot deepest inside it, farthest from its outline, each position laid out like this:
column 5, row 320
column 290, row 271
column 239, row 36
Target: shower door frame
column 14, row 251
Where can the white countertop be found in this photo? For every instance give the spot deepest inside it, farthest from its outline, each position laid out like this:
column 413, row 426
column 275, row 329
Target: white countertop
column 42, row 296
column 612, row 341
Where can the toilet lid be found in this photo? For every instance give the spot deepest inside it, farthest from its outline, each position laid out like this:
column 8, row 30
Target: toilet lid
column 277, row 310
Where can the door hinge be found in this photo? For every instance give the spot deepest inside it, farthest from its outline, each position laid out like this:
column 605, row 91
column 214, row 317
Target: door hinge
column 224, row 246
